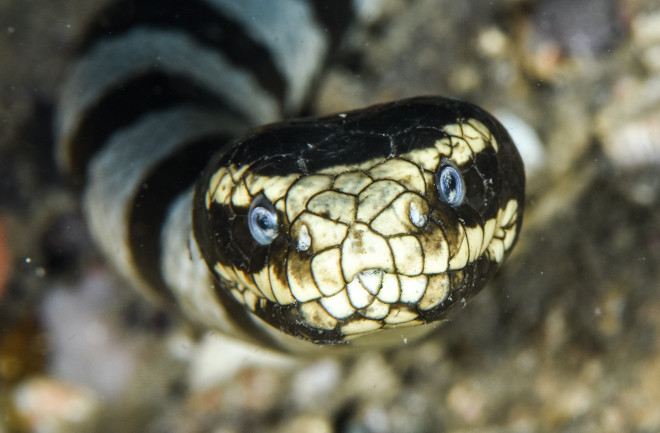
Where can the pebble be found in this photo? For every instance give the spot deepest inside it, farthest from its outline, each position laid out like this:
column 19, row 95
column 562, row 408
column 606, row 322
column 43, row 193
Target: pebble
column 313, row 384
column 373, row 378
column 580, row 28
column 628, row 126
column 86, row 348
column 527, row 141
column 207, row 371
column 51, row 406
column 646, row 38
column 467, row 401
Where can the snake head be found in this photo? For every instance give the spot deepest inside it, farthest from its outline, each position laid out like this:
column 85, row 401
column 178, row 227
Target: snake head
column 351, row 225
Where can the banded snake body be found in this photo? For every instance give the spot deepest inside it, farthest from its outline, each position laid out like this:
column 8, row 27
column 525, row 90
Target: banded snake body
column 351, row 228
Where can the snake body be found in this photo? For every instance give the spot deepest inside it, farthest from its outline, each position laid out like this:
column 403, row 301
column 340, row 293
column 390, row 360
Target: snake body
column 351, row 228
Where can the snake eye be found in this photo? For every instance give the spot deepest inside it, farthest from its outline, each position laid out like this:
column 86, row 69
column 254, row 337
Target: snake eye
column 262, row 221
column 450, row 184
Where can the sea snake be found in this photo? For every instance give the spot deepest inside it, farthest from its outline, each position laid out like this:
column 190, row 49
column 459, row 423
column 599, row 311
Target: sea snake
column 351, row 229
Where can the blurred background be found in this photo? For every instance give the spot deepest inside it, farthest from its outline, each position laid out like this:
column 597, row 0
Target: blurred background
column 566, row 339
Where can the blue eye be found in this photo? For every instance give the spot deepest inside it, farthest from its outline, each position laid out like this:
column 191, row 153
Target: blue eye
column 450, row 184
column 262, row 221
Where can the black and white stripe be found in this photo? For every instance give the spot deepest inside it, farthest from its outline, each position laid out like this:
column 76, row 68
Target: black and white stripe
column 159, row 87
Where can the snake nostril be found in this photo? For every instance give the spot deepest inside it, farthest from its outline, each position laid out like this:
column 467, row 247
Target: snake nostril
column 304, row 240
column 416, row 216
